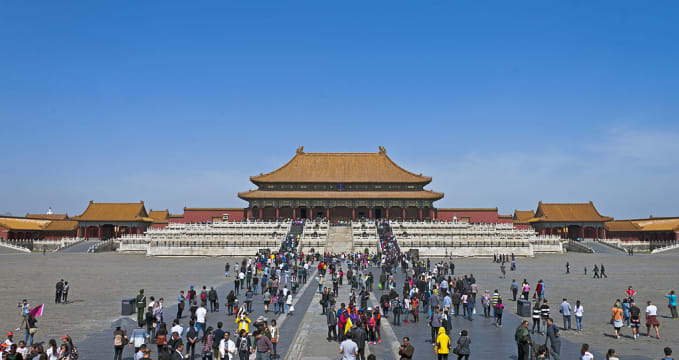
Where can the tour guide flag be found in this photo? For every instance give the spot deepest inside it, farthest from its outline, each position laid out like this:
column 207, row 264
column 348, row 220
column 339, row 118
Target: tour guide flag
column 37, row 311
column 348, row 326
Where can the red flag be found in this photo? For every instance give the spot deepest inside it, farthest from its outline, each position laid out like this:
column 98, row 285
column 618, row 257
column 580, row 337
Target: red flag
column 37, row 311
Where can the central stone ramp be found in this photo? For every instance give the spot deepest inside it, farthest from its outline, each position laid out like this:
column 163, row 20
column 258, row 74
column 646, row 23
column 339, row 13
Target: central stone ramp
column 340, row 239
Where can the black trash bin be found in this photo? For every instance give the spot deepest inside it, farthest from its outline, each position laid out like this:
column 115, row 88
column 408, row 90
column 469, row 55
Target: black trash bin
column 128, row 307
column 523, row 308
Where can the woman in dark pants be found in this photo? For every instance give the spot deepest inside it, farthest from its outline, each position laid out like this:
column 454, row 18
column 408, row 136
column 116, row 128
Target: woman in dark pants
column 463, row 342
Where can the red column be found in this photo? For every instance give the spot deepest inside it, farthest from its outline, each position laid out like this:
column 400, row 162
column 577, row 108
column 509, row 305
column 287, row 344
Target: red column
column 327, row 212
column 278, row 213
column 78, row 232
column 403, row 214
column 386, row 209
column 370, row 213
column 543, row 231
column 353, row 214
column 550, row 231
column 431, row 214
column 420, row 214
column 294, row 213
column 99, row 232
column 310, row 213
column 249, row 213
column 582, row 232
column 261, row 213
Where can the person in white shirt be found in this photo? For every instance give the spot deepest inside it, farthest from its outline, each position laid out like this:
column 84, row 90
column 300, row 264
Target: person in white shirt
column 227, row 348
column 585, row 354
column 652, row 319
column 201, row 314
column 176, row 327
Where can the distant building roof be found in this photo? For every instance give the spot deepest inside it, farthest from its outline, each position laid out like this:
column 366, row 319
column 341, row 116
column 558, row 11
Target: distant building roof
column 570, row 212
column 260, row 194
column 341, row 168
column 62, row 225
column 22, row 224
column 522, row 216
column 131, row 212
column 467, row 209
column 47, row 216
column 658, row 224
column 159, row 216
column 621, row 226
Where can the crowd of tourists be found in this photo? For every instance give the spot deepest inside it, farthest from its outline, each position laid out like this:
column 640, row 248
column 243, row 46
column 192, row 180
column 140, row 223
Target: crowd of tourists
column 271, row 278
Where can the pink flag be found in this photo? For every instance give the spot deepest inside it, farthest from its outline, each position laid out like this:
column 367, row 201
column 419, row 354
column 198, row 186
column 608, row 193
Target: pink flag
column 37, row 311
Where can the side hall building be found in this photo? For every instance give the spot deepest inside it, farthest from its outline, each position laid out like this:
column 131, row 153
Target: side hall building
column 341, row 186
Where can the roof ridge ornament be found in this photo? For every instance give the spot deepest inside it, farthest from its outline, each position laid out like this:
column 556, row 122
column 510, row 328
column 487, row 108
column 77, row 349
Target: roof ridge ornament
column 300, row 150
column 382, row 150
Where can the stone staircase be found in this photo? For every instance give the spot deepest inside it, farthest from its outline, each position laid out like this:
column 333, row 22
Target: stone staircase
column 340, row 240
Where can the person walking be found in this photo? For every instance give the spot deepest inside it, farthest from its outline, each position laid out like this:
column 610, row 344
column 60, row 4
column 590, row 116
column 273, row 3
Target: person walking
column 348, row 349
column 603, row 272
column 442, row 346
column 585, row 354
column 565, row 310
column 119, row 342
column 668, row 353
column 435, row 324
column 635, row 319
column 616, row 318
column 672, row 303
column 652, row 319
column 462, row 349
column 537, row 312
column 485, row 302
column 554, row 339
column 499, row 309
column 514, row 287
column 579, row 312
column 331, row 319
column 60, row 289
column 181, row 304
column 523, row 340
column 275, row 337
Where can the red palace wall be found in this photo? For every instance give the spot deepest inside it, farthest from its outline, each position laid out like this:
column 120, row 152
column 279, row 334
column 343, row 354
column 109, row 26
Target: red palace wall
column 3, row 234
column 205, row 215
column 475, row 216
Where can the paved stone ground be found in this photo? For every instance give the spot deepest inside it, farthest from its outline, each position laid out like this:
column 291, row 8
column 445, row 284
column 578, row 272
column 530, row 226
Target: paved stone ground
column 100, row 281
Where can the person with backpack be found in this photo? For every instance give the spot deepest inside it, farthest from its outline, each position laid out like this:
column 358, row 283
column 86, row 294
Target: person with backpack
column 119, row 342
column 243, row 345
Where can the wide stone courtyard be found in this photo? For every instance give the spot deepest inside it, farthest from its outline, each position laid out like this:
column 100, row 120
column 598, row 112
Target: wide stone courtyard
column 99, row 282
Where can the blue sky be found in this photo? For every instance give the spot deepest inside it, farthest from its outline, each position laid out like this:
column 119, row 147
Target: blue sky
column 178, row 103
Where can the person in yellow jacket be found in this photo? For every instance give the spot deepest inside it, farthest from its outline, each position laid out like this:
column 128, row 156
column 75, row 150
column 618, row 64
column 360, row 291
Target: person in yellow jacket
column 243, row 322
column 442, row 344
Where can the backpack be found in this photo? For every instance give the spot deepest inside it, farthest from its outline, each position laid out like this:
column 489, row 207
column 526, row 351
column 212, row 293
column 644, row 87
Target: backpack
column 202, row 296
column 118, row 340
